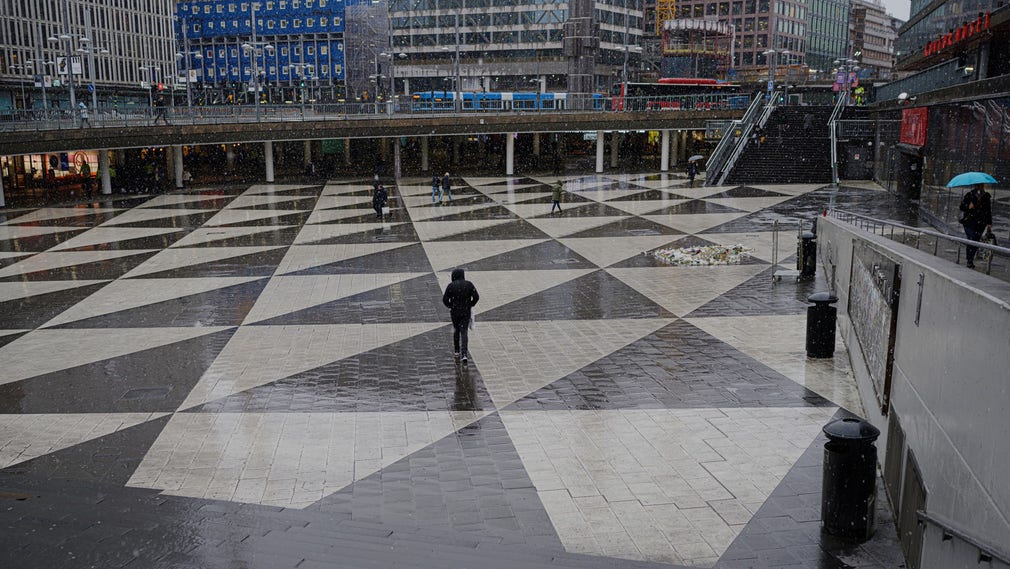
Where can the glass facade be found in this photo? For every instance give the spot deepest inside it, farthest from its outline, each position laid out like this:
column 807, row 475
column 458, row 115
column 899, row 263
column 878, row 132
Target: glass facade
column 924, row 27
column 827, row 37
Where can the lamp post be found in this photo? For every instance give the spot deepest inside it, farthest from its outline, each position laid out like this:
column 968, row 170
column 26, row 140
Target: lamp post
column 90, row 48
column 187, row 57
column 255, row 49
column 846, row 66
column 770, row 59
column 22, row 71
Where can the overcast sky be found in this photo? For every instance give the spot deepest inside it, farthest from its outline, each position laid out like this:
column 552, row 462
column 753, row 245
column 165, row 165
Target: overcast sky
column 898, row 8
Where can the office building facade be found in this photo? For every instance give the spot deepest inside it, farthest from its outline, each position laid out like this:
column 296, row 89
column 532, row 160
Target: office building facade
column 827, row 35
column 871, row 36
column 494, row 46
column 103, row 44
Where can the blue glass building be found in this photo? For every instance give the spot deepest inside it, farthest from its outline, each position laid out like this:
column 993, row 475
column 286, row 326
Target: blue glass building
column 297, row 53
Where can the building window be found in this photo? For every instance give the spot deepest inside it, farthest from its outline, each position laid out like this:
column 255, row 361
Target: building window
column 310, row 22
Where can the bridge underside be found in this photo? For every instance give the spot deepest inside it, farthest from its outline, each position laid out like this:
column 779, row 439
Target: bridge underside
column 336, row 127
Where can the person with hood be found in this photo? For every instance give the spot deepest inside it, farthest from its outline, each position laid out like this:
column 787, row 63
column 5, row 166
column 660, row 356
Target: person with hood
column 556, row 196
column 379, row 198
column 447, row 186
column 460, row 296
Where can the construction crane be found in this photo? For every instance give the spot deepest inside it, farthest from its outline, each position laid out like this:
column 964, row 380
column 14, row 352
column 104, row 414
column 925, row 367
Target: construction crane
column 665, row 10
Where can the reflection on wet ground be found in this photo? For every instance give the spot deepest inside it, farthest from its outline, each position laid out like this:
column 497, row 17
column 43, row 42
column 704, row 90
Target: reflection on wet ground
column 264, row 377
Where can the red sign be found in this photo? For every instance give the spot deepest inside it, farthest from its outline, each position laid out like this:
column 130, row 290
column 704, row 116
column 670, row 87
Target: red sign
column 913, row 126
column 959, row 35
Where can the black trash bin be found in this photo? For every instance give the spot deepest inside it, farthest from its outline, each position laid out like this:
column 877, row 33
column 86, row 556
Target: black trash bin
column 849, row 488
column 821, row 319
column 806, row 256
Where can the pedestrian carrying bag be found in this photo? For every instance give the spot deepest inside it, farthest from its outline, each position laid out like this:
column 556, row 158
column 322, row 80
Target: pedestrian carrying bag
column 385, row 210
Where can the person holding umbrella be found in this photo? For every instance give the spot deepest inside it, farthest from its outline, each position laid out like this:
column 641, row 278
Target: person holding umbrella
column 692, row 168
column 976, row 209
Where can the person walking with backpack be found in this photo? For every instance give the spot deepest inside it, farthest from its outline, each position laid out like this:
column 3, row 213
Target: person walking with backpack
column 447, row 186
column 460, row 296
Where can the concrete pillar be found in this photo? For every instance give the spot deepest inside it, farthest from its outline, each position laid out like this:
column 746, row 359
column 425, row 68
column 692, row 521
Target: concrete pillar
column 384, row 149
column 169, row 160
column 536, row 144
column 599, row 151
column 177, row 152
column 664, row 161
column 103, row 171
column 3, row 202
column 347, row 152
column 307, row 158
column 424, row 154
column 683, row 147
column 614, row 140
column 406, row 86
column 396, row 159
column 268, row 159
column 229, row 156
column 456, row 144
column 676, row 148
column 510, row 154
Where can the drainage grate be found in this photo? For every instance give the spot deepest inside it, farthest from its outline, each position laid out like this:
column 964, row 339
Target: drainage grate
column 568, row 261
column 642, row 232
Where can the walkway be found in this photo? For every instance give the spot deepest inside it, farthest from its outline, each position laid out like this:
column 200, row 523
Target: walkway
column 264, row 376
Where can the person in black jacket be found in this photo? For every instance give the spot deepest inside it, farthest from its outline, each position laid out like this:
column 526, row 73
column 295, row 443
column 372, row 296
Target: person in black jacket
column 460, row 296
column 447, row 186
column 379, row 197
column 976, row 218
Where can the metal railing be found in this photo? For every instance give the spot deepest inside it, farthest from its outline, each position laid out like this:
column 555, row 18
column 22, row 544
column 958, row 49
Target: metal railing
column 843, row 101
column 143, row 115
column 717, row 162
column 986, row 553
column 992, row 256
column 746, row 127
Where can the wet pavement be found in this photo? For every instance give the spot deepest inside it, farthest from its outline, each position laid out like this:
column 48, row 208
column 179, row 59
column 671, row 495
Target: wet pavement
column 263, row 377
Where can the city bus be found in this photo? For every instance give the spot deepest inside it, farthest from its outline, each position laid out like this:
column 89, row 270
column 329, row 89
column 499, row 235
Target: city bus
column 677, row 93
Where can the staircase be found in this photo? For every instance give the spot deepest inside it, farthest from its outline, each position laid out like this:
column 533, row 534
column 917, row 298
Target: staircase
column 788, row 155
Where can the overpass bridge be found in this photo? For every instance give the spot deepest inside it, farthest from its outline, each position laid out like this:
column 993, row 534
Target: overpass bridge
column 35, row 132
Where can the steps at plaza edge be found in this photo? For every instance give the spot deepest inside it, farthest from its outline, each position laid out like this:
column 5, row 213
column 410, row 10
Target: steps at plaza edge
column 788, row 155
column 114, row 526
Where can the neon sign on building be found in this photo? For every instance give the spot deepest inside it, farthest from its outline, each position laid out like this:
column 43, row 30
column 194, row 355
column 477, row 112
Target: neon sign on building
column 959, row 35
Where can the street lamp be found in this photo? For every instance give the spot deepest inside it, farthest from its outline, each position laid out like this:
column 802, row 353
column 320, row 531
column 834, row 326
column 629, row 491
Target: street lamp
column 846, row 66
column 300, row 69
column 256, row 49
column 187, row 56
column 770, row 60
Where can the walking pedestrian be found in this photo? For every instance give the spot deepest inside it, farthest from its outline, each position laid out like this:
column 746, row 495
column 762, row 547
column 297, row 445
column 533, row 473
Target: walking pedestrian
column 447, row 186
column 976, row 218
column 436, row 189
column 83, row 108
column 692, row 171
column 379, row 198
column 808, row 124
column 556, row 196
column 159, row 110
column 460, row 296
column 86, row 174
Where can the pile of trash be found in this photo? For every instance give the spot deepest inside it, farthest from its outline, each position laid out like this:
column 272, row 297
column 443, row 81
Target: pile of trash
column 709, row 255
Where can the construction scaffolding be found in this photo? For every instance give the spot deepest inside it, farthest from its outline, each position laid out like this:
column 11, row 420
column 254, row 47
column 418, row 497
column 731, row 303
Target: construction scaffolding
column 697, row 47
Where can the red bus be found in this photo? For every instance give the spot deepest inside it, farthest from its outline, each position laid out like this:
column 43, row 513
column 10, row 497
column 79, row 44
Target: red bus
column 673, row 93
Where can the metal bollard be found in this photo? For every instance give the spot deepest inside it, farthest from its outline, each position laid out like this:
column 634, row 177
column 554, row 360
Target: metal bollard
column 849, row 486
column 821, row 318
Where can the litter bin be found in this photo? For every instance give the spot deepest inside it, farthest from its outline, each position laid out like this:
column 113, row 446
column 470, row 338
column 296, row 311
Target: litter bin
column 849, row 488
column 806, row 255
column 821, row 319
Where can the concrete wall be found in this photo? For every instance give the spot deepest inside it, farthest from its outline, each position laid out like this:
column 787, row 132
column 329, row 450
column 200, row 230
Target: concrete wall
column 950, row 388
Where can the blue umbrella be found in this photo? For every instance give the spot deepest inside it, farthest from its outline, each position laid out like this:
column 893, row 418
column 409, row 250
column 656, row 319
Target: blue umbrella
column 970, row 179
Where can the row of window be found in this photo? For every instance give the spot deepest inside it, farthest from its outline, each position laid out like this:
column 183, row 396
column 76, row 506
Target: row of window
column 525, row 18
column 272, row 72
column 282, row 51
column 268, row 6
column 212, row 28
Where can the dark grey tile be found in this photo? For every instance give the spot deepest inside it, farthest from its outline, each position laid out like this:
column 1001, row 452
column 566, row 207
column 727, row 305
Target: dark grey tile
column 34, row 311
column 549, row 255
column 410, row 258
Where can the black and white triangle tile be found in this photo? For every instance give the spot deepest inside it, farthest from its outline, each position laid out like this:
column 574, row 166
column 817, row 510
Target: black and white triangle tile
column 278, row 347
